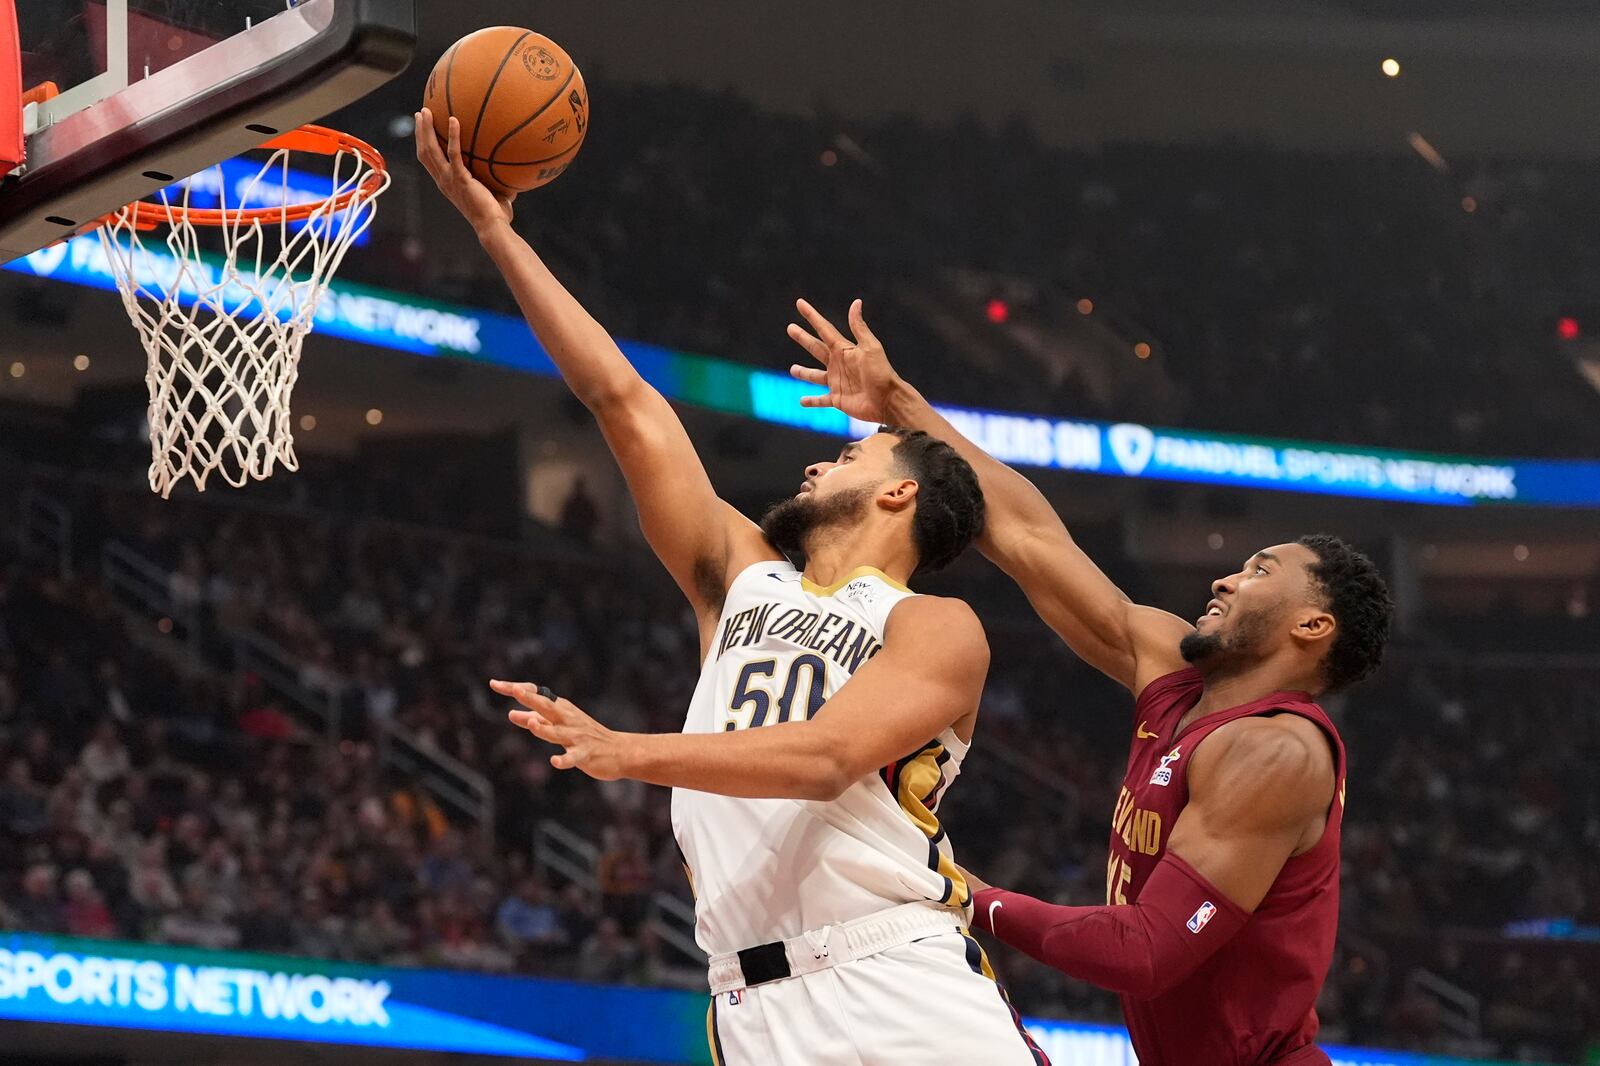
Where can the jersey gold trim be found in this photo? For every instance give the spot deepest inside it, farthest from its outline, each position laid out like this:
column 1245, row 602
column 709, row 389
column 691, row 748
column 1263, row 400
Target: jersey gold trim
column 860, row 571
column 915, row 783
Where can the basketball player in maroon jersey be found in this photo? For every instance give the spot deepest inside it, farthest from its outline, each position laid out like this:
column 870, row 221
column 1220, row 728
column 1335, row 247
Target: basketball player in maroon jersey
column 1222, row 888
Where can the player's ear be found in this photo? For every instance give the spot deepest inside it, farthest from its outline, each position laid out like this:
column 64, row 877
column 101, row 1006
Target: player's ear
column 1314, row 626
column 898, row 495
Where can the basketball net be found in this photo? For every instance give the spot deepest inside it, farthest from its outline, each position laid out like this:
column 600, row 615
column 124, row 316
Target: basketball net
column 223, row 328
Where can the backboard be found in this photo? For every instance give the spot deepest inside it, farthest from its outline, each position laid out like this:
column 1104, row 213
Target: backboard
column 150, row 91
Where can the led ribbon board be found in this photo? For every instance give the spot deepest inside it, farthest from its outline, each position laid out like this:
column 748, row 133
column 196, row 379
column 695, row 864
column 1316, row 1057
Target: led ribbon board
column 184, row 990
column 402, row 322
column 76, row 981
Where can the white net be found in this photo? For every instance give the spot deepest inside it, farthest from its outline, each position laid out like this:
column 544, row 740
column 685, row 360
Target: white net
column 223, row 319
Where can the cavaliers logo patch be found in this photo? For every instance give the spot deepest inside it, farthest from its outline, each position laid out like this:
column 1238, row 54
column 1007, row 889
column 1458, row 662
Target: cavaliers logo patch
column 1163, row 774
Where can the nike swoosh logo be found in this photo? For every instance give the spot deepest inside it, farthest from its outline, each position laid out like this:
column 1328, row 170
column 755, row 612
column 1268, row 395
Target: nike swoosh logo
column 1145, row 735
column 996, row 905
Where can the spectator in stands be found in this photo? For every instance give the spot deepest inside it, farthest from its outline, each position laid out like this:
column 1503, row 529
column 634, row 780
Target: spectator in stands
column 606, row 956
column 378, row 934
column 85, row 912
column 112, row 692
column 267, row 721
column 319, row 932
column 446, row 869
column 528, row 921
column 40, row 906
column 580, row 515
column 104, row 759
column 579, row 914
column 22, row 800
column 151, row 886
column 625, row 878
column 199, row 919
column 266, row 925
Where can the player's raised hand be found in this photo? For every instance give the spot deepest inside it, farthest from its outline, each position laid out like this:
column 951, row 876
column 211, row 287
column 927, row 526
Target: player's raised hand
column 855, row 370
column 445, row 165
column 587, row 745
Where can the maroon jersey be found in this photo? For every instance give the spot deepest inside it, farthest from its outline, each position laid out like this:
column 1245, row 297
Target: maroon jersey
column 1253, row 1002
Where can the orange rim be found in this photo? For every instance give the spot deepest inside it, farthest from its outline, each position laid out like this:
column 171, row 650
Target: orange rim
column 313, row 140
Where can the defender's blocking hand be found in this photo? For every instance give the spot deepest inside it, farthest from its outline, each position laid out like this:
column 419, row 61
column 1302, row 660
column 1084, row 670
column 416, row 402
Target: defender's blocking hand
column 856, row 373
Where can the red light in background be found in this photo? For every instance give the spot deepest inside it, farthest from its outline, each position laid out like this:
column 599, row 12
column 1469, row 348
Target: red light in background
column 1567, row 328
column 997, row 311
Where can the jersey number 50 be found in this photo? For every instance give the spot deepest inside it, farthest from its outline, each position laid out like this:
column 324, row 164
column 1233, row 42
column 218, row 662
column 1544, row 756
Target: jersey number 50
column 752, row 703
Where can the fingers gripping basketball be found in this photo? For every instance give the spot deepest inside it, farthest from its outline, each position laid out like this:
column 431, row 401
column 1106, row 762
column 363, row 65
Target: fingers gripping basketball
column 521, row 102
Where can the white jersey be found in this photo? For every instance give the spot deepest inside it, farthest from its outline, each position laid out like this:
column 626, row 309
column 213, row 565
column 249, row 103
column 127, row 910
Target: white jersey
column 769, row 869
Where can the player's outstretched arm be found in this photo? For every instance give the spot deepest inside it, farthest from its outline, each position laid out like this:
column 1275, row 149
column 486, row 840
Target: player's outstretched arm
column 1261, row 791
column 928, row 677
column 701, row 540
column 1022, row 533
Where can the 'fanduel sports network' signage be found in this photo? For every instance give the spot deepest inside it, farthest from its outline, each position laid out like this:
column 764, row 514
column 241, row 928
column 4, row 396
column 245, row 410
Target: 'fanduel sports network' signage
column 217, row 991
column 407, row 323
column 1131, row 450
column 184, row 990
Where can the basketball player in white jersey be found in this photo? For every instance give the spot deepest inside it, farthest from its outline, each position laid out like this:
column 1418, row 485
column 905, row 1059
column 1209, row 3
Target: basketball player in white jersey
column 832, row 714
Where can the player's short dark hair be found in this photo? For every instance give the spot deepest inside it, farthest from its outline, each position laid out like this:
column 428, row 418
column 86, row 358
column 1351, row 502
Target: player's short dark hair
column 1355, row 594
column 949, row 503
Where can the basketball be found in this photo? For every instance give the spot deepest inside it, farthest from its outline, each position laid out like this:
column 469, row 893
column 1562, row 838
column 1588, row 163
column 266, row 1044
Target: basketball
column 521, row 102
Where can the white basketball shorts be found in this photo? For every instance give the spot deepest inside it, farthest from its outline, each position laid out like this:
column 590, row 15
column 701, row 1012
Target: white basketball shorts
column 932, row 1000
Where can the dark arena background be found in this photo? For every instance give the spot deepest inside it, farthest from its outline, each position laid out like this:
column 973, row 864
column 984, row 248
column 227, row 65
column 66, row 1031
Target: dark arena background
column 1213, row 275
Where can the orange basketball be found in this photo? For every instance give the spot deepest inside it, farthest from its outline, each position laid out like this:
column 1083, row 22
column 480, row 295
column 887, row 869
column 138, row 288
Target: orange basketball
column 521, row 102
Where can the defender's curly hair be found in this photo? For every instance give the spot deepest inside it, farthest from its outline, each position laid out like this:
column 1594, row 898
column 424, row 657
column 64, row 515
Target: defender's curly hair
column 949, row 503
column 1356, row 595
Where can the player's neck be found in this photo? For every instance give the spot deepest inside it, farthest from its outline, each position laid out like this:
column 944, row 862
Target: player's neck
column 1227, row 688
column 833, row 554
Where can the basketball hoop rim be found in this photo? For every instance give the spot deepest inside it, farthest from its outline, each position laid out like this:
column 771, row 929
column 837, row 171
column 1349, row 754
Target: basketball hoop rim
column 310, row 139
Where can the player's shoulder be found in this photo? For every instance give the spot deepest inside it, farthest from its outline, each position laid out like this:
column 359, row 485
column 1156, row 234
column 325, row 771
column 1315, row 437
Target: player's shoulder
column 1264, row 772
column 1282, row 748
column 944, row 618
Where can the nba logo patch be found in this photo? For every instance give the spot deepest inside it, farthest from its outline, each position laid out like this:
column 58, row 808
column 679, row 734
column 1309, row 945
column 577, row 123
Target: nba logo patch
column 1198, row 920
column 736, row 997
column 1163, row 774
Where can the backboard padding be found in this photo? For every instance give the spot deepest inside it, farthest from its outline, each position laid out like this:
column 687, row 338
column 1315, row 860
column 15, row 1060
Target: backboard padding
column 11, row 147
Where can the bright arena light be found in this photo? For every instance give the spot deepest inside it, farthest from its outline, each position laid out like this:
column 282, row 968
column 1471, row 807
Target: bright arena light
column 374, row 416
column 80, row 362
column 1391, row 68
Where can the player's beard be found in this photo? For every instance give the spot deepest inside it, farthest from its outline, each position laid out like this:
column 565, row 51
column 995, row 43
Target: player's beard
column 1210, row 650
column 792, row 525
